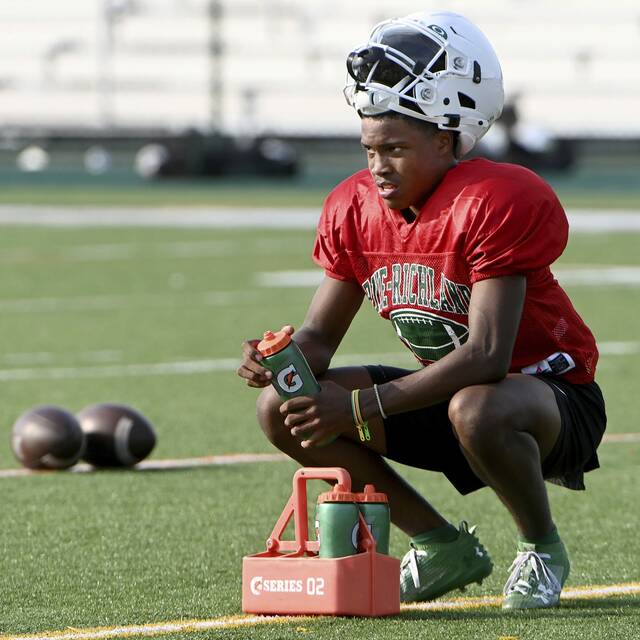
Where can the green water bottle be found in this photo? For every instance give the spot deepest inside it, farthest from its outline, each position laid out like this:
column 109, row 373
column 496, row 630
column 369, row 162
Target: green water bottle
column 336, row 521
column 374, row 507
column 291, row 373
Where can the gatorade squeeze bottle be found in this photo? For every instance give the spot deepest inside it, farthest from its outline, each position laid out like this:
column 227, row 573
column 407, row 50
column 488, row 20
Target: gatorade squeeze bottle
column 291, row 373
column 374, row 507
column 337, row 523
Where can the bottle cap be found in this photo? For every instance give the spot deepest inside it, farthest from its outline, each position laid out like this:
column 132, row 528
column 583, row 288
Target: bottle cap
column 371, row 495
column 273, row 342
column 337, row 494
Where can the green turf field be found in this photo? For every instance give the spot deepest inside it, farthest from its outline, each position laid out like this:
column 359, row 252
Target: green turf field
column 78, row 307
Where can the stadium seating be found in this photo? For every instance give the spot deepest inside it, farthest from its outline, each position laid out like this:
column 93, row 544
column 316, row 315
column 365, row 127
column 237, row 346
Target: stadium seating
column 571, row 66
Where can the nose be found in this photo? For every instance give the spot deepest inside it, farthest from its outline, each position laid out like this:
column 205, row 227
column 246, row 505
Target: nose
column 379, row 164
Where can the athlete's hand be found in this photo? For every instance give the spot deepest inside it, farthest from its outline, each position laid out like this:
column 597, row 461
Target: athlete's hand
column 250, row 368
column 321, row 418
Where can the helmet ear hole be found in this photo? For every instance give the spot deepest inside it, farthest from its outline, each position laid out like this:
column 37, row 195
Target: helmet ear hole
column 466, row 101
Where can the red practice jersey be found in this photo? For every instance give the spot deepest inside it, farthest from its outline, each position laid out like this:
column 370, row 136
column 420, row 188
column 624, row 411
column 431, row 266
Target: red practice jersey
column 484, row 220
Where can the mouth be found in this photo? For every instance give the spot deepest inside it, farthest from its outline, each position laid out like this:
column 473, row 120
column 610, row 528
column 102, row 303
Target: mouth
column 387, row 190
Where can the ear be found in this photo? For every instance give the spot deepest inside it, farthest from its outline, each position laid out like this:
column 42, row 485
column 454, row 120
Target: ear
column 444, row 143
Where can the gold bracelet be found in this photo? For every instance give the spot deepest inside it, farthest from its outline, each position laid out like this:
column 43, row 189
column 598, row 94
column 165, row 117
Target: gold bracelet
column 361, row 425
column 356, row 406
column 353, row 407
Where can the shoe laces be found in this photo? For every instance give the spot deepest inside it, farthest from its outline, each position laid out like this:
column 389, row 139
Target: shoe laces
column 412, row 557
column 410, row 560
column 548, row 584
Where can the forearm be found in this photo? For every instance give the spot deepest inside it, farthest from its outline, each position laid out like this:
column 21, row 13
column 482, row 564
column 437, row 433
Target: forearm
column 317, row 352
column 494, row 316
column 332, row 309
column 438, row 382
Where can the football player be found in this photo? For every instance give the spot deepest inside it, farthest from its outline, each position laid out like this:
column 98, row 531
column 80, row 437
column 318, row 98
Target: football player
column 455, row 254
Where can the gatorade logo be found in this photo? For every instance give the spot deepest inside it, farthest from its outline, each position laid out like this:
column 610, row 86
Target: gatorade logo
column 289, row 379
column 356, row 530
column 256, row 585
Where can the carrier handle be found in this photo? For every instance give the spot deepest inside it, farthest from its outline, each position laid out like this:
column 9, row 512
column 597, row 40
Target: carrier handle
column 297, row 506
column 300, row 494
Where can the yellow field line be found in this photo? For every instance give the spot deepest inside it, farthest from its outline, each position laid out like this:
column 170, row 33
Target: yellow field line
column 575, row 593
column 234, row 622
column 157, row 628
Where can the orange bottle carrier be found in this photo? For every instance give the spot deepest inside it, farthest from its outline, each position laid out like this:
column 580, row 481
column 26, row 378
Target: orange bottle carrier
column 289, row 578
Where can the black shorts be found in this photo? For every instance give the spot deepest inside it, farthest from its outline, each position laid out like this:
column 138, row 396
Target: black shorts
column 583, row 421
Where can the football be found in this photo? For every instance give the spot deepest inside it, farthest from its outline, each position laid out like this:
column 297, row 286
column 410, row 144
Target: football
column 47, row 437
column 116, row 435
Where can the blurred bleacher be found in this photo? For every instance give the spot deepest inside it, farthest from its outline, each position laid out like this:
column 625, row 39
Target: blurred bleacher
column 127, row 64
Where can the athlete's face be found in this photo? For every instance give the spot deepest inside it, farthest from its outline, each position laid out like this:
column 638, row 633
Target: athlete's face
column 406, row 161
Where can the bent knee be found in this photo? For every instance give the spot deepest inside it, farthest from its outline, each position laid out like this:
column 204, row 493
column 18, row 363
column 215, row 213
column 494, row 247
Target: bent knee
column 480, row 414
column 270, row 419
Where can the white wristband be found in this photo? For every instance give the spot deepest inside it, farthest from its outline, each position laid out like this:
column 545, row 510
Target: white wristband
column 382, row 413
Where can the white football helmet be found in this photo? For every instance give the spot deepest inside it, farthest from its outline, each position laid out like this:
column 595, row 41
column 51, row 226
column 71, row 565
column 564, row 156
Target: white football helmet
column 437, row 67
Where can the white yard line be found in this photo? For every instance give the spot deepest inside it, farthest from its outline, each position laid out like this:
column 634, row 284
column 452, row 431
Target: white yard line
column 168, row 217
column 101, row 252
column 307, row 278
column 618, row 348
column 164, row 465
column 574, row 276
column 110, row 302
column 590, row 276
column 580, row 220
column 192, row 367
column 284, row 279
column 602, row 221
column 48, row 357
column 180, row 368
column 248, row 621
column 188, row 367
column 621, row 438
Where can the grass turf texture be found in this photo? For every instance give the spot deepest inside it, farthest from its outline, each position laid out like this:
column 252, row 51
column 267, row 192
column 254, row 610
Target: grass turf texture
column 115, row 548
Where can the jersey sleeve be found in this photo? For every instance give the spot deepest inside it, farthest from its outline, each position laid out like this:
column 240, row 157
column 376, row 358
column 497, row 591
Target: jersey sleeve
column 329, row 250
column 516, row 234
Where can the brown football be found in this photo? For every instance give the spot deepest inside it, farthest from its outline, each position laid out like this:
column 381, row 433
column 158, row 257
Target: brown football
column 47, row 437
column 116, row 435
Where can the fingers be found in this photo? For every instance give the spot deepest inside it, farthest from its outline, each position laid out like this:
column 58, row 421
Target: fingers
column 305, row 430
column 312, row 433
column 295, row 405
column 302, row 416
column 305, row 423
column 250, row 369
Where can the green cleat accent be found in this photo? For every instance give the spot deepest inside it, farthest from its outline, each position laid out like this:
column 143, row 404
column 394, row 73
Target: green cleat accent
column 429, row 571
column 537, row 576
